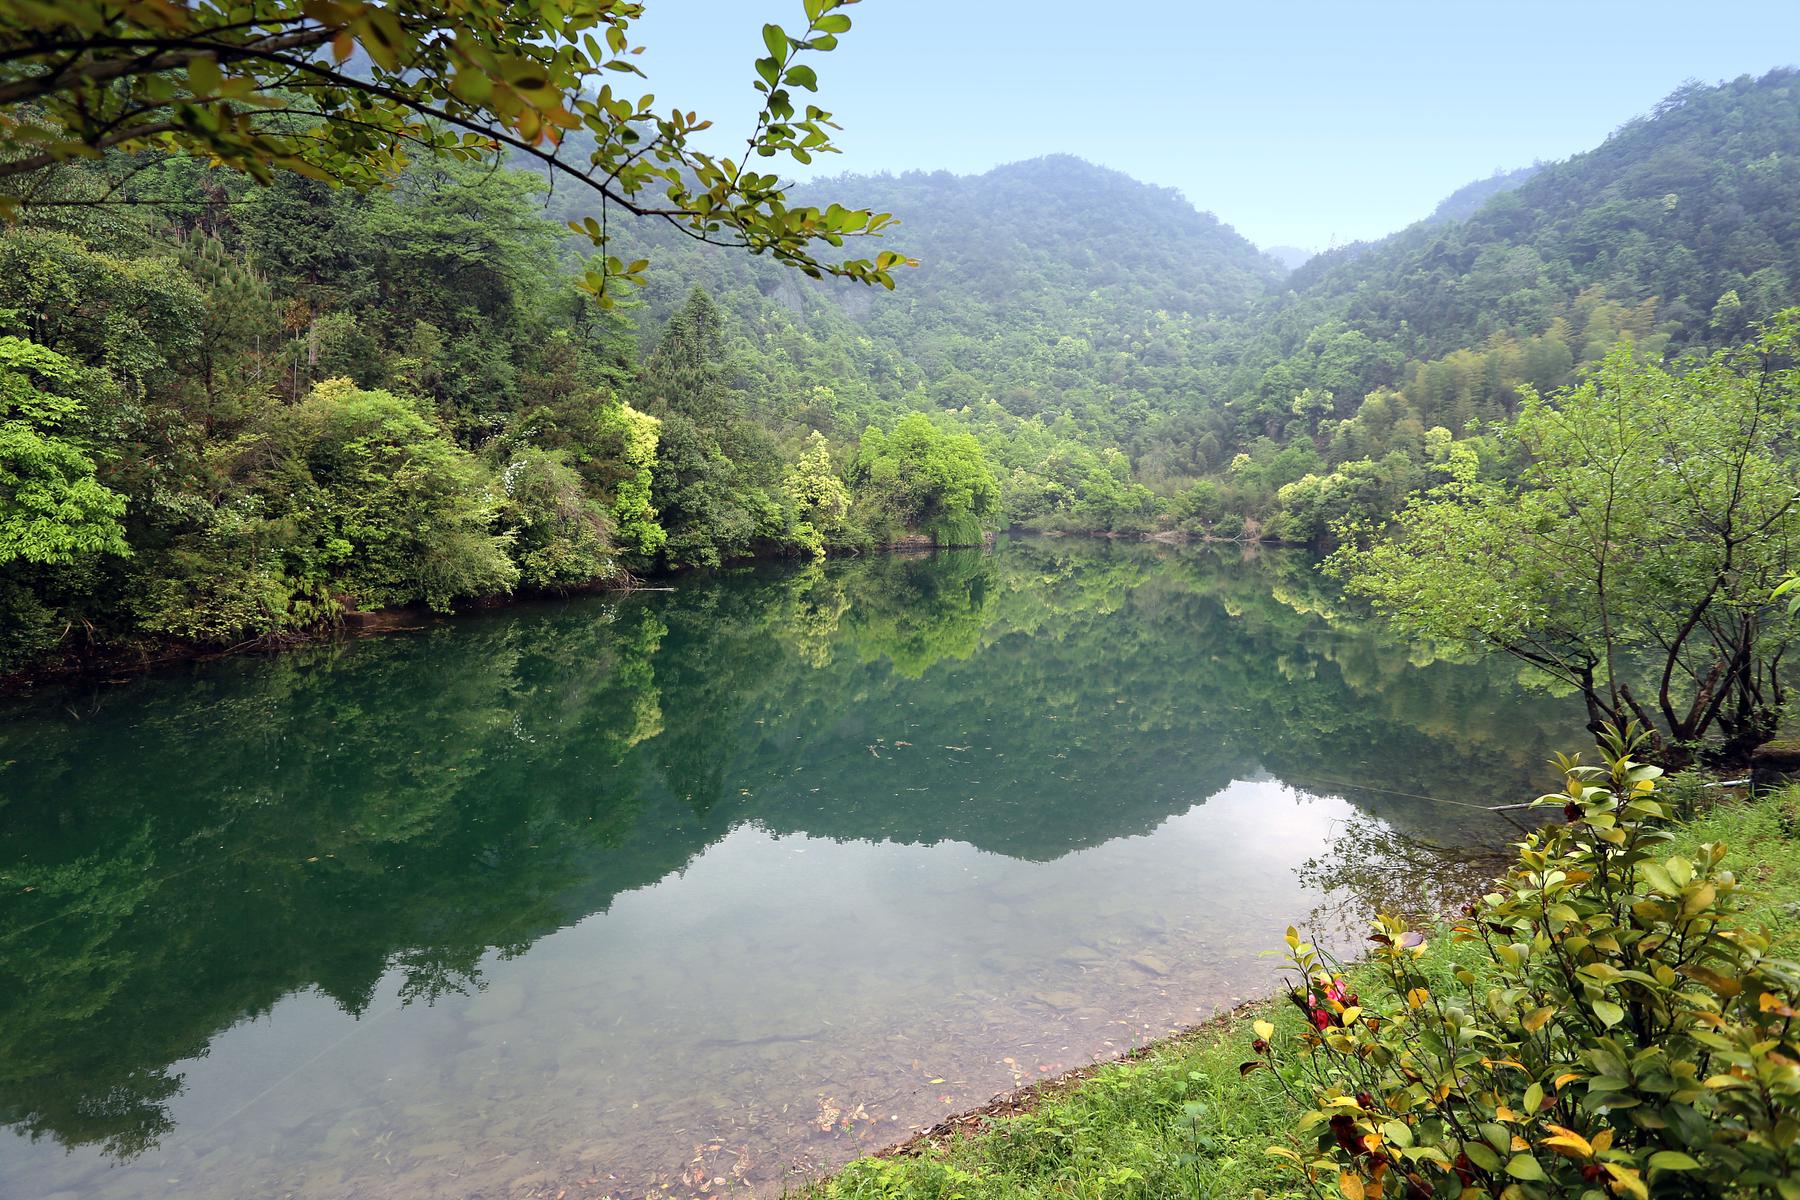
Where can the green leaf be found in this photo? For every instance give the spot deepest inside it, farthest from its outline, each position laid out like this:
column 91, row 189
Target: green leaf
column 1523, row 1166
column 1482, row 1155
column 204, row 76
column 1673, row 1160
column 1609, row 1013
column 776, row 41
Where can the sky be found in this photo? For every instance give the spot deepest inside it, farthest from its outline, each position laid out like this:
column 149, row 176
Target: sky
column 1306, row 123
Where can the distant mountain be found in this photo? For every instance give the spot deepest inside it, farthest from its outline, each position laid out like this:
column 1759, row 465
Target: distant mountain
column 1466, row 200
column 1059, row 288
column 1029, row 235
column 1051, row 285
column 1290, row 257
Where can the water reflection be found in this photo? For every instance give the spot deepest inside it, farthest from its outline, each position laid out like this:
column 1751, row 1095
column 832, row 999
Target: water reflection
column 671, row 888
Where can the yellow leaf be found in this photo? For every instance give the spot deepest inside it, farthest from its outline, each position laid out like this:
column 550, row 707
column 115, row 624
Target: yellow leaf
column 1627, row 1180
column 1351, row 1185
column 1264, row 1030
column 1538, row 1017
column 1569, row 1143
column 1417, row 998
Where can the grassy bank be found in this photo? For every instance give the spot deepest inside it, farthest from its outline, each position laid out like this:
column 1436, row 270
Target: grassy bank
column 1182, row 1121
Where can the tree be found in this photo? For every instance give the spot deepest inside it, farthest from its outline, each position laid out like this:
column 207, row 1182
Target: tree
column 1636, row 559
column 716, row 470
column 560, row 535
column 817, row 499
column 347, row 90
column 632, row 437
column 922, row 478
column 391, row 511
column 53, row 508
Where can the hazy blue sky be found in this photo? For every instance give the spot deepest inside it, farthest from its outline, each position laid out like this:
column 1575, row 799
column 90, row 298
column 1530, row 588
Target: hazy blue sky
column 1298, row 121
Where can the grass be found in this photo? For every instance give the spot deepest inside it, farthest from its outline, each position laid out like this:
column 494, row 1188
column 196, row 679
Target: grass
column 1182, row 1121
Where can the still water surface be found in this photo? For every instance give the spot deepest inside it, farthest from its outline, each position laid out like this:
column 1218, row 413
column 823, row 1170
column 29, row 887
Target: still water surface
column 704, row 889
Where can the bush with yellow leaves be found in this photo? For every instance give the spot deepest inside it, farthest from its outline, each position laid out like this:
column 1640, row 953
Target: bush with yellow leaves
column 1621, row 1035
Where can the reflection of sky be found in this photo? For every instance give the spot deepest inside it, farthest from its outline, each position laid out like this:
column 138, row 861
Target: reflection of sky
column 771, row 972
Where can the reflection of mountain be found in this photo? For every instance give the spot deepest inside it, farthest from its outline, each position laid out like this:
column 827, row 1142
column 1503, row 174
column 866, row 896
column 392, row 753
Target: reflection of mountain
column 202, row 843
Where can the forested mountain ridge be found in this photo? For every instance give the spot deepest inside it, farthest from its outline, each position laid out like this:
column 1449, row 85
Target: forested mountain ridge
column 1677, row 232
column 1466, row 200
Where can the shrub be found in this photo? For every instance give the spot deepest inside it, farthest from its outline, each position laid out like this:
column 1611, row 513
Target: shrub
column 561, row 538
column 390, row 510
column 1618, row 1032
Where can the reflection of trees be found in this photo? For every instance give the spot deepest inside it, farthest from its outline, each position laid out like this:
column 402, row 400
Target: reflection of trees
column 203, row 843
column 916, row 618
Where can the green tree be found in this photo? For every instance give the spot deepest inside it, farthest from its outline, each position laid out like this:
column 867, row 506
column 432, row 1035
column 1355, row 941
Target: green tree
column 917, row 477
column 716, row 469
column 817, row 499
column 389, row 510
column 53, row 507
column 271, row 85
column 632, row 437
column 1637, row 556
column 560, row 537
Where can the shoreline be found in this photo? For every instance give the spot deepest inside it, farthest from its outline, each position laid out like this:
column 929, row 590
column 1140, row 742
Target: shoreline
column 139, row 656
column 1019, row 1101
column 1182, row 1111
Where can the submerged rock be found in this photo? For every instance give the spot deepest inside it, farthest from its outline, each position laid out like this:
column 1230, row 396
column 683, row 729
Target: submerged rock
column 1060, row 1001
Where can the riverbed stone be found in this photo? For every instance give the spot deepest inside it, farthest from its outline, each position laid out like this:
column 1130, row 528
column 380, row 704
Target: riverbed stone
column 1150, row 964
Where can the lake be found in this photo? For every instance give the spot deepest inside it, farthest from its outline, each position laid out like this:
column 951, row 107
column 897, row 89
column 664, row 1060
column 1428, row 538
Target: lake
column 696, row 891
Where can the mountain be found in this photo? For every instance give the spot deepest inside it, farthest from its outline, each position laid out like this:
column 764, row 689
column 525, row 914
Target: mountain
column 1049, row 286
column 1058, row 290
column 1290, row 257
column 1466, row 200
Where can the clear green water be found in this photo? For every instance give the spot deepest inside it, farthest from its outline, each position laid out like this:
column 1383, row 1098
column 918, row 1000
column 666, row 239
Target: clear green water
column 719, row 884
